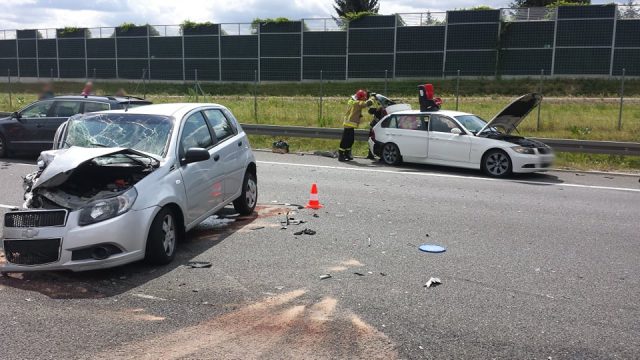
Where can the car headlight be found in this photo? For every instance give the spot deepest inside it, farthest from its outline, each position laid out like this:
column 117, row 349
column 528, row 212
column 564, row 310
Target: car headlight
column 107, row 208
column 523, row 150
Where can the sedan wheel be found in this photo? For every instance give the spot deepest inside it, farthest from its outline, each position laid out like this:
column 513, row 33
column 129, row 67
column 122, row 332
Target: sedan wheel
column 249, row 197
column 391, row 154
column 163, row 237
column 497, row 164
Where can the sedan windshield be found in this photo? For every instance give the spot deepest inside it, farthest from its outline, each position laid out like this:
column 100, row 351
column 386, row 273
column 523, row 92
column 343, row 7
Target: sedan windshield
column 147, row 133
column 472, row 123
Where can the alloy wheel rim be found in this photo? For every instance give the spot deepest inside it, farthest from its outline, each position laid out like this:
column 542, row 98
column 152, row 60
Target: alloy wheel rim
column 390, row 154
column 251, row 193
column 497, row 164
column 168, row 227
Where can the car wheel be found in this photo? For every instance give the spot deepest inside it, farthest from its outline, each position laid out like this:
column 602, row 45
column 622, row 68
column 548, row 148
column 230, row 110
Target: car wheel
column 3, row 147
column 163, row 237
column 496, row 163
column 249, row 197
column 391, row 154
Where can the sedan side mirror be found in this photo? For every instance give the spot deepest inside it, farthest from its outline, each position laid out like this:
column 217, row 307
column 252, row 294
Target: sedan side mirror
column 195, row 155
column 16, row 115
column 456, row 131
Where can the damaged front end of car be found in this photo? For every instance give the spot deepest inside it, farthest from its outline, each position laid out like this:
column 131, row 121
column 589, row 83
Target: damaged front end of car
column 72, row 202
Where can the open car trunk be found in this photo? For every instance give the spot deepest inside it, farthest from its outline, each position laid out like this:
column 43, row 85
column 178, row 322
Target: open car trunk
column 72, row 178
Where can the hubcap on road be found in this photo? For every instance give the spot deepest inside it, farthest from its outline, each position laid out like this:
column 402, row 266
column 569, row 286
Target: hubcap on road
column 168, row 227
column 497, row 164
column 251, row 193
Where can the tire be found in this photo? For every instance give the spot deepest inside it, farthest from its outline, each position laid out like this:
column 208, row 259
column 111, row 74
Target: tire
column 390, row 154
column 246, row 202
column 162, row 238
column 497, row 164
column 4, row 151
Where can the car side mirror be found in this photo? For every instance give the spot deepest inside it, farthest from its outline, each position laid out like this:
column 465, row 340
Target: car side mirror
column 195, row 155
column 456, row 131
column 16, row 115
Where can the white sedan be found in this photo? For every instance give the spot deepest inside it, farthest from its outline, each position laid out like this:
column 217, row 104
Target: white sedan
column 463, row 140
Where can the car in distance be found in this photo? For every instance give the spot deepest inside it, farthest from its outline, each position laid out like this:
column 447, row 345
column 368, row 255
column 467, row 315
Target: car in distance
column 122, row 186
column 31, row 129
column 459, row 139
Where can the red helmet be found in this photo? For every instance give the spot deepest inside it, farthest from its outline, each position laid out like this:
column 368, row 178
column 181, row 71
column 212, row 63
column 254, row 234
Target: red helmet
column 361, row 95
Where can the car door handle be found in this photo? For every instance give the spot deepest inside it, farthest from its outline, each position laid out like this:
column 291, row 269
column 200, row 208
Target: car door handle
column 216, row 157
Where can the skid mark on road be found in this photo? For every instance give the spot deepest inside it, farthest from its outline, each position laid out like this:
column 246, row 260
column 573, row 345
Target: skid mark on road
column 450, row 176
column 284, row 326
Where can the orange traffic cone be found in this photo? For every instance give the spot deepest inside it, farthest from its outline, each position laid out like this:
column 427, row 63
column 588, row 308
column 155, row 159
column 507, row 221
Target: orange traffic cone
column 314, row 202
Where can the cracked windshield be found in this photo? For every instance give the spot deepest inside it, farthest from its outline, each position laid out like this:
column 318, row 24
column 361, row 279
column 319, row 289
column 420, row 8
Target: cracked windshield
column 147, row 133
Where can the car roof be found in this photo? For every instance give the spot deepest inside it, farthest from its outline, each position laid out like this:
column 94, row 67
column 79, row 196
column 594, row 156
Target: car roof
column 439, row 112
column 106, row 98
column 177, row 110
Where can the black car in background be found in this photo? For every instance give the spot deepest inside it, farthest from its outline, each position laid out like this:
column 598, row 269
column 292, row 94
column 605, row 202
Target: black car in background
column 31, row 130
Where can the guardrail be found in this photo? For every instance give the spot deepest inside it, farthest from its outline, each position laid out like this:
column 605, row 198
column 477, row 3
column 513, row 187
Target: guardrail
column 562, row 145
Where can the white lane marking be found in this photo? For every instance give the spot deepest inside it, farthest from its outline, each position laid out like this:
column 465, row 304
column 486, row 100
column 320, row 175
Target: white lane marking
column 596, row 187
column 10, row 207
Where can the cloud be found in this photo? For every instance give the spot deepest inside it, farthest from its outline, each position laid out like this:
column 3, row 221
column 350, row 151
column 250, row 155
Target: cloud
column 25, row 14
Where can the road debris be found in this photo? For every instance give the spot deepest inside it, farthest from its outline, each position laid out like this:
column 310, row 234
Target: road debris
column 369, row 241
column 257, row 228
column 198, row 264
column 149, row 297
column 358, row 273
column 280, row 147
column 316, row 215
column 305, row 232
column 383, row 274
column 329, row 154
column 325, row 276
column 433, row 282
column 430, row 248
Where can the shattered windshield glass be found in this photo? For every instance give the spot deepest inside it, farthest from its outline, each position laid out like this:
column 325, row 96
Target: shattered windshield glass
column 147, row 133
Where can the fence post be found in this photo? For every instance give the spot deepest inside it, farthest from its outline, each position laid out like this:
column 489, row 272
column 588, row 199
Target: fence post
column 320, row 115
column 51, row 73
column 539, row 105
column 94, row 74
column 621, row 100
column 386, row 81
column 457, row 89
column 255, row 95
column 195, row 83
column 9, row 87
column 144, row 84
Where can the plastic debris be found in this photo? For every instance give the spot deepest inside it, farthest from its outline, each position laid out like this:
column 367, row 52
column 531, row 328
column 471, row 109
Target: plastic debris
column 430, row 248
column 325, row 276
column 258, row 228
column 359, row 274
column 305, row 232
column 199, row 264
column 280, row 147
column 383, row 274
column 433, row 282
column 369, row 241
column 316, row 215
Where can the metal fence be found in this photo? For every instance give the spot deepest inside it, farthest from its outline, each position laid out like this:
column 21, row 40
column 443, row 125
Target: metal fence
column 572, row 41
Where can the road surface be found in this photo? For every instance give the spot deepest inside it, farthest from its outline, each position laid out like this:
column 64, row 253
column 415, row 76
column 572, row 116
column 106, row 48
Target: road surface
column 538, row 266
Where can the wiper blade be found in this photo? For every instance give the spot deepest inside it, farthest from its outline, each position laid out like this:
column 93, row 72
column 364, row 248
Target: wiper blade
column 99, row 145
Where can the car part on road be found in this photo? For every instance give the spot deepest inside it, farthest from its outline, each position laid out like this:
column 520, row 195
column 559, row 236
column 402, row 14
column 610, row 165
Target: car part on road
column 325, row 276
column 496, row 163
column 358, row 273
column 280, row 147
column 305, row 232
column 329, row 154
column 432, row 248
column 199, row 264
column 163, row 236
column 433, row 282
column 391, row 154
column 247, row 201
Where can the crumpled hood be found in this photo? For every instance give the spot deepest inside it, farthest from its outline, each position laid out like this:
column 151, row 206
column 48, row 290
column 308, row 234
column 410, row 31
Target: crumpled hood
column 60, row 164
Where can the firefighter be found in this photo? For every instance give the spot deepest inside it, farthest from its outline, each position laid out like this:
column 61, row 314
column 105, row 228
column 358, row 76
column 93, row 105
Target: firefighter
column 352, row 118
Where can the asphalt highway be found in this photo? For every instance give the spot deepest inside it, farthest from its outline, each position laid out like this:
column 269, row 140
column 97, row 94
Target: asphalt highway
column 537, row 266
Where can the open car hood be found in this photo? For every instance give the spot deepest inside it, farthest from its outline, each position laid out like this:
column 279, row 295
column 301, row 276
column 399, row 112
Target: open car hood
column 60, row 164
column 511, row 116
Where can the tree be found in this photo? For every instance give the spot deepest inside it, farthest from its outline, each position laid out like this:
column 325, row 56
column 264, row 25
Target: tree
column 344, row 7
column 543, row 3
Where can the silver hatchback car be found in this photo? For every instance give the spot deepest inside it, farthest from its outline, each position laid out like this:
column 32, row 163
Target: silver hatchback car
column 122, row 186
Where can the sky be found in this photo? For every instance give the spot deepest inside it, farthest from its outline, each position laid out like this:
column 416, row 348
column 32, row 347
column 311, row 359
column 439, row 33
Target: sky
column 41, row 14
